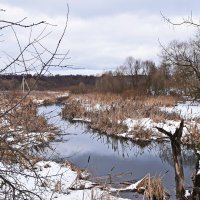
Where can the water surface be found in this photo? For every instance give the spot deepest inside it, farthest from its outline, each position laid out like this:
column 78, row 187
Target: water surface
column 122, row 159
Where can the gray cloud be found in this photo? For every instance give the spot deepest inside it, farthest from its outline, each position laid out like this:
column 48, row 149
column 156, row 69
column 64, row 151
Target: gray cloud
column 101, row 34
column 96, row 8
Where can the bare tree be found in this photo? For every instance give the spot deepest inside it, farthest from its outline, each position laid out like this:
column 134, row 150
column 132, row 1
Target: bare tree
column 175, row 140
column 132, row 67
column 184, row 59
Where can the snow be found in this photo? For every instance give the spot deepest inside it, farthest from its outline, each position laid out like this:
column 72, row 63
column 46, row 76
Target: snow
column 66, row 94
column 96, row 107
column 131, row 187
column 81, row 119
column 187, row 193
column 29, row 139
column 48, row 179
column 146, row 123
column 63, row 183
column 187, row 110
column 38, row 101
column 149, row 125
column 56, row 95
column 60, row 182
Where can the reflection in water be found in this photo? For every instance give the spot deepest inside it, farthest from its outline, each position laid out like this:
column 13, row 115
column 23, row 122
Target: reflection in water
column 188, row 155
column 114, row 156
column 123, row 147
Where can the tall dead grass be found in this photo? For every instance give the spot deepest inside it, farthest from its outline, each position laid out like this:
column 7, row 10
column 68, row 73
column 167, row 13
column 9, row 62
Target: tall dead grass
column 107, row 112
column 154, row 189
column 22, row 130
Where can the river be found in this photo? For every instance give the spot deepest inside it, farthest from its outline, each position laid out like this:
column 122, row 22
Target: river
column 121, row 159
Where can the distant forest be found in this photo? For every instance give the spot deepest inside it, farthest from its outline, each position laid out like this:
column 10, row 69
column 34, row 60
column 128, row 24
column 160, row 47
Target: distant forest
column 57, row 82
column 135, row 78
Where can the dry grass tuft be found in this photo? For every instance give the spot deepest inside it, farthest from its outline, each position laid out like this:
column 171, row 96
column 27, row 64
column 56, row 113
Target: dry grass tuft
column 154, row 189
column 141, row 134
column 103, row 124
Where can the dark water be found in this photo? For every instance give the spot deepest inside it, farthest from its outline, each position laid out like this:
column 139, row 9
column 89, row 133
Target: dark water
column 123, row 160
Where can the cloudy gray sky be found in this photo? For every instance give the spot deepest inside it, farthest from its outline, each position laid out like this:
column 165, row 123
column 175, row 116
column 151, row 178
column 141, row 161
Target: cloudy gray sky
column 102, row 33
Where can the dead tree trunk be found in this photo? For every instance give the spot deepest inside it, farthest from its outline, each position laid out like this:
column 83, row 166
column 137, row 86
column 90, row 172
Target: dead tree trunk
column 196, row 180
column 175, row 140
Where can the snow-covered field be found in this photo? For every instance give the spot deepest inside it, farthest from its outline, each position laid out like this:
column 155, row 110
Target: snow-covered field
column 188, row 110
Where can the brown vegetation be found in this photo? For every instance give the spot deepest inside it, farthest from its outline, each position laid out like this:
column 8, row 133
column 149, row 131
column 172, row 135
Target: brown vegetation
column 107, row 113
column 154, row 188
column 22, row 130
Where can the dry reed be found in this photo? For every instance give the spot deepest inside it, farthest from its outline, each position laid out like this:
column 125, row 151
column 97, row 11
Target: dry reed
column 108, row 112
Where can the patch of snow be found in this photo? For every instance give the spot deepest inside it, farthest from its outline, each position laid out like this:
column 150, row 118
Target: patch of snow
column 96, row 107
column 38, row 101
column 187, row 110
column 145, row 123
column 59, row 182
column 82, row 119
column 131, row 187
column 187, row 193
column 66, row 94
column 149, row 125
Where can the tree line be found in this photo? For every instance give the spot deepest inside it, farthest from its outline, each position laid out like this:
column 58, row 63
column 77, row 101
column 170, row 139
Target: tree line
column 57, row 82
column 178, row 73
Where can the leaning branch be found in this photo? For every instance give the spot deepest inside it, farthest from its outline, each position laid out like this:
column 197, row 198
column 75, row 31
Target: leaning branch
column 169, row 134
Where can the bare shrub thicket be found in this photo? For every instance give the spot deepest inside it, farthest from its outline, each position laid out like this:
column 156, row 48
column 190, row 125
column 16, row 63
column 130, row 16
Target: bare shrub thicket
column 23, row 133
column 138, row 78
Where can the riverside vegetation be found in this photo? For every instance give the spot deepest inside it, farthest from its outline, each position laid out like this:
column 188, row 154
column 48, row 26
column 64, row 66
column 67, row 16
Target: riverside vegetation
column 140, row 118
column 135, row 118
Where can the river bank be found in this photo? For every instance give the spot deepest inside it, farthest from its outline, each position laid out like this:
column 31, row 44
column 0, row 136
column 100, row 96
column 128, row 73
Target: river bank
column 135, row 119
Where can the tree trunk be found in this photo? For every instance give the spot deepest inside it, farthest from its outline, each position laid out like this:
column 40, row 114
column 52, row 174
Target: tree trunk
column 178, row 166
column 175, row 140
column 196, row 188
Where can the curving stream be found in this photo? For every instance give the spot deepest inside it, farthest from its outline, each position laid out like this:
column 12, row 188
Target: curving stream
column 122, row 159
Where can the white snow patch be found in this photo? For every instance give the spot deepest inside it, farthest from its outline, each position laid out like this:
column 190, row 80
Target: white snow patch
column 131, row 187
column 81, row 119
column 38, row 101
column 60, row 182
column 187, row 110
column 187, row 193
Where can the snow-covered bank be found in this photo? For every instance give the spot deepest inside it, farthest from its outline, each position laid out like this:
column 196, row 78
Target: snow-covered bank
column 49, row 97
column 59, row 181
column 134, row 119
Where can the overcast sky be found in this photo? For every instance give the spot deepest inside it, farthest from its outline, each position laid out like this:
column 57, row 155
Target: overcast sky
column 102, row 33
